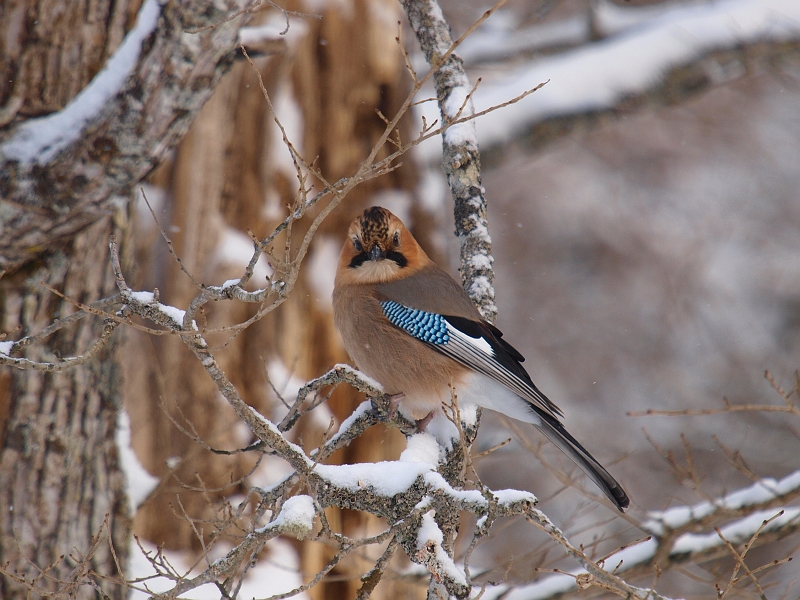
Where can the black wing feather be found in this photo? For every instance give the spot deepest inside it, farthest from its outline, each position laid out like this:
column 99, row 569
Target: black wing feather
column 504, row 364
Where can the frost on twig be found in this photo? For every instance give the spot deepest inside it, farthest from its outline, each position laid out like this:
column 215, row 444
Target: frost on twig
column 460, row 153
column 689, row 534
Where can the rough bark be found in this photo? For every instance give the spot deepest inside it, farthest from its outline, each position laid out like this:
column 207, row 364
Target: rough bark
column 61, row 489
column 174, row 76
column 62, row 493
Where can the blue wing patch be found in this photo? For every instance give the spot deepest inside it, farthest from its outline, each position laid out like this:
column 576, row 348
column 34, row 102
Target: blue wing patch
column 425, row 326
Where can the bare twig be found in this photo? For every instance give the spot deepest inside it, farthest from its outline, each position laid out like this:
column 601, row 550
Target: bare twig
column 66, row 363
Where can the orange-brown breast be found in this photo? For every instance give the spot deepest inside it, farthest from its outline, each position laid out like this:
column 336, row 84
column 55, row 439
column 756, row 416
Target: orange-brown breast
column 399, row 362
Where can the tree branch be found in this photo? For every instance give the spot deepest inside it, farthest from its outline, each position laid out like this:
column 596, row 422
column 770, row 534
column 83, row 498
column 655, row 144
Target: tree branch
column 460, row 153
column 44, row 199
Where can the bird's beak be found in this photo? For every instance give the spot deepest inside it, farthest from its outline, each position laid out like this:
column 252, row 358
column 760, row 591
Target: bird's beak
column 375, row 253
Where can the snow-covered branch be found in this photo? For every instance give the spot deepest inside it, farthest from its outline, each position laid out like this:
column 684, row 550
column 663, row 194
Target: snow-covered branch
column 639, row 49
column 61, row 172
column 752, row 516
column 460, row 153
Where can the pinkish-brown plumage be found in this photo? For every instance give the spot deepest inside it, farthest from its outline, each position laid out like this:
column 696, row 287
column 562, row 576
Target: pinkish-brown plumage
column 424, row 375
column 409, row 325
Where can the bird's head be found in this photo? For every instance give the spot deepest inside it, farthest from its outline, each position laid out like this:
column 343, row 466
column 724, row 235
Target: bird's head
column 379, row 249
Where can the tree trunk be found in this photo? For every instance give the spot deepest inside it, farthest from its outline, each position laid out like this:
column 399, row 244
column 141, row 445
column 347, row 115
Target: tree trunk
column 65, row 522
column 62, row 493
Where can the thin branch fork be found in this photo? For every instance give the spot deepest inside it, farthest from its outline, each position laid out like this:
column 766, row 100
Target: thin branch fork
column 327, row 493
column 109, row 326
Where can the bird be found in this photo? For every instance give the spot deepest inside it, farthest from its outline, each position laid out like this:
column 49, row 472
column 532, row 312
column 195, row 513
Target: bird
column 410, row 326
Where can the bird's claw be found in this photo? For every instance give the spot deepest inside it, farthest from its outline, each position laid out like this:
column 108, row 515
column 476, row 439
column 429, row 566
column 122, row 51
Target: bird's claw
column 423, row 423
column 394, row 403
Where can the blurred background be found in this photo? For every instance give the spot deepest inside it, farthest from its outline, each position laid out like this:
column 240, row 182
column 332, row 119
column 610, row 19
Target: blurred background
column 644, row 210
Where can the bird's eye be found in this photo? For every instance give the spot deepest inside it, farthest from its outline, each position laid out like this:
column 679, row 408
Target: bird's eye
column 396, row 238
column 357, row 245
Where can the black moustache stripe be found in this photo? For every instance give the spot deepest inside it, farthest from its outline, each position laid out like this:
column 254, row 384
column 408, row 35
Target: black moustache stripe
column 358, row 260
column 397, row 257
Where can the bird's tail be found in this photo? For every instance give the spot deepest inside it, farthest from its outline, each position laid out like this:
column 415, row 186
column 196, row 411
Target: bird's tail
column 556, row 433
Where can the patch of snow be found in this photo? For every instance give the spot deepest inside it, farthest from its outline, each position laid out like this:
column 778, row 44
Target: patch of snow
column 384, row 478
column 610, row 19
column 269, row 425
column 422, row 448
column 40, row 140
column 457, row 104
column 429, row 535
column 512, row 496
column 479, row 229
column 595, row 77
column 236, row 248
column 554, row 585
column 143, row 297
column 296, row 517
column 481, row 287
column 320, row 269
column 481, row 261
column 139, row 481
column 147, row 298
column 348, row 422
column 469, row 413
column 759, row 492
column 437, row 482
column 441, row 428
column 5, row 347
column 176, row 314
column 737, row 532
column 372, row 382
column 498, row 37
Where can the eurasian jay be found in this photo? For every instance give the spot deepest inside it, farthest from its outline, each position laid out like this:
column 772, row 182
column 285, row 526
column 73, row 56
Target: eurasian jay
column 409, row 325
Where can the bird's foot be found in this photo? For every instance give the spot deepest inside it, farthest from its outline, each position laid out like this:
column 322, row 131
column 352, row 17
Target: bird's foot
column 394, row 403
column 423, row 423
